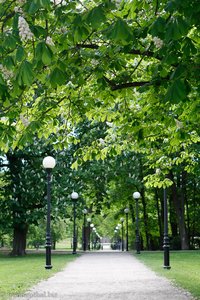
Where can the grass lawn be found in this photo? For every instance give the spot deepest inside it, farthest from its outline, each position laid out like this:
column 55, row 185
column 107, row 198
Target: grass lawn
column 17, row 274
column 185, row 268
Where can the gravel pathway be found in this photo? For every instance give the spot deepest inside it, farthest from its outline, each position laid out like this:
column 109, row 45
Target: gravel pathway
column 106, row 276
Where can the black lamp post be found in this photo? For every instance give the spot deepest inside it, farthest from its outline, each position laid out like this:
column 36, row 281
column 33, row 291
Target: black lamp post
column 91, row 226
column 117, row 237
column 93, row 238
column 126, row 212
column 166, row 237
column 122, row 221
column 48, row 163
column 89, row 221
column 136, row 196
column 74, row 197
column 84, row 229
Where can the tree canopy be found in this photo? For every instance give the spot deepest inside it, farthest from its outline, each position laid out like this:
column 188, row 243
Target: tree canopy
column 104, row 79
column 134, row 64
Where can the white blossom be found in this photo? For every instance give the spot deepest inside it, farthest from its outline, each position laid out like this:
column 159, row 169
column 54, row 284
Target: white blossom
column 24, row 120
column 57, row 2
column 158, row 171
column 21, row 2
column 70, row 85
column 118, row 3
column 102, row 142
column 179, row 124
column 18, row 9
column 109, row 124
column 24, row 30
column 94, row 62
column 7, row 74
column 158, row 42
column 49, row 41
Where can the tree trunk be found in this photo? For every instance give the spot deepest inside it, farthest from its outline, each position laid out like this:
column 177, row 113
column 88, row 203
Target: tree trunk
column 160, row 219
column 145, row 214
column 180, row 212
column 19, row 240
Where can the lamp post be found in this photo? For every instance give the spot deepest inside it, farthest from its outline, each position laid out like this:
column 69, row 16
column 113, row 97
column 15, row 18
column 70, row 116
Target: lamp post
column 117, row 238
column 89, row 221
column 136, row 196
column 92, row 226
column 84, row 229
column 74, row 197
column 122, row 221
column 126, row 212
column 166, row 237
column 48, row 163
column 93, row 237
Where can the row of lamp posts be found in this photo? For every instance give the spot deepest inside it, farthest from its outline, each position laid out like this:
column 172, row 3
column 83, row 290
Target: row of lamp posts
column 49, row 163
column 136, row 196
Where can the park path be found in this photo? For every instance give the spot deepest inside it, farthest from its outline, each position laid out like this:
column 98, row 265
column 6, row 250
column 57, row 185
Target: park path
column 106, row 276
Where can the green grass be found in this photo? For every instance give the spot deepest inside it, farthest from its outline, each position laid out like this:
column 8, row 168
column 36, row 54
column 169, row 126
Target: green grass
column 185, row 268
column 18, row 274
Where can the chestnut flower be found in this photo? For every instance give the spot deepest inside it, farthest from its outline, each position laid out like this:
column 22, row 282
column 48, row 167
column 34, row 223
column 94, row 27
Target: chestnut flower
column 24, row 30
column 7, row 74
column 49, row 41
column 158, row 42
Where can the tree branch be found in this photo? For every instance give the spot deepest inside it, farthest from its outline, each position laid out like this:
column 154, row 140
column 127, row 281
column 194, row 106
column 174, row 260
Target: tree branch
column 125, row 85
column 130, row 84
column 133, row 51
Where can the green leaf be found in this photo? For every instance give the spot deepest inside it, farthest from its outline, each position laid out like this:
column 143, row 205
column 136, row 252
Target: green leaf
column 20, row 54
column 120, row 32
column 177, row 91
column 9, row 42
column 9, row 62
column 179, row 72
column 45, row 3
column 80, row 33
column 25, row 74
column 34, row 6
column 158, row 26
column 189, row 47
column 38, row 51
column 38, row 31
column 176, row 28
column 46, row 54
column 57, row 77
column 95, row 17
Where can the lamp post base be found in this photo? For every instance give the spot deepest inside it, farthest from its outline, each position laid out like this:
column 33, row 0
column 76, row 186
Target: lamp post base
column 166, row 267
column 48, row 267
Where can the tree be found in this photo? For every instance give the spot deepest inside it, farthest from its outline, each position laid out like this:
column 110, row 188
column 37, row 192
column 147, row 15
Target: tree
column 132, row 64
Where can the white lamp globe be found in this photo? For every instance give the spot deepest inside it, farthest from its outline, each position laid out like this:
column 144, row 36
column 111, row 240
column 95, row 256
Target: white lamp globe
column 74, row 195
column 136, row 195
column 49, row 162
column 126, row 210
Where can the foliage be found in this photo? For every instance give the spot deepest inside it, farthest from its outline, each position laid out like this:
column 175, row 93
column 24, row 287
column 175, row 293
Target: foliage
column 126, row 72
column 132, row 64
